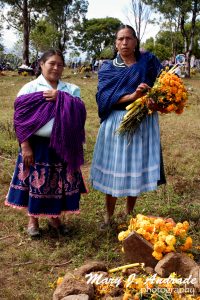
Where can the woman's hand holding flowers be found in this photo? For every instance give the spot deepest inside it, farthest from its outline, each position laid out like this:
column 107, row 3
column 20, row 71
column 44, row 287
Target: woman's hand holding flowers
column 167, row 95
column 141, row 90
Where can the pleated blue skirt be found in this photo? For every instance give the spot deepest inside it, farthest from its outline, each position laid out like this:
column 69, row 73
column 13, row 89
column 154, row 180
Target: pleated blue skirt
column 123, row 166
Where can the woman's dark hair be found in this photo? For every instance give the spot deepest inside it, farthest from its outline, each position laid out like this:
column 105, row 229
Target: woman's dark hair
column 46, row 55
column 137, row 48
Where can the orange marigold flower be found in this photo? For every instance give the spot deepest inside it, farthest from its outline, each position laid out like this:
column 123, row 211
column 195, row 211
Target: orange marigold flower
column 179, row 111
column 159, row 246
column 171, row 107
column 187, row 245
column 170, row 249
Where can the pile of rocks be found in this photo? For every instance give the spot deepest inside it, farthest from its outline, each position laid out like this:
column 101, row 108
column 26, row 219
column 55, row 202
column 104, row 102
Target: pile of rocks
column 75, row 285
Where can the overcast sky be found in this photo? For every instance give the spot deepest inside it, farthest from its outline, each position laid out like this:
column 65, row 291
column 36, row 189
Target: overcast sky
column 107, row 8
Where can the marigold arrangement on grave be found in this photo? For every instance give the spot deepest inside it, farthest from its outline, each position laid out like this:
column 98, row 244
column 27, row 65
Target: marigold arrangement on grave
column 163, row 234
column 167, row 95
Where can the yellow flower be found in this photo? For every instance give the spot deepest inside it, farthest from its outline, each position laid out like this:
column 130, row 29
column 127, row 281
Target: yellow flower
column 186, row 225
column 141, row 231
column 168, row 226
column 157, row 255
column 179, row 225
column 139, row 283
column 154, row 238
column 59, row 280
column 141, row 217
column 159, row 222
column 127, row 296
column 170, row 240
column 122, row 235
column 159, row 246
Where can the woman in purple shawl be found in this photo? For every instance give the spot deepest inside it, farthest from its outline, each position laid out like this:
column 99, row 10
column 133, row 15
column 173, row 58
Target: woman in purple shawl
column 124, row 166
column 49, row 122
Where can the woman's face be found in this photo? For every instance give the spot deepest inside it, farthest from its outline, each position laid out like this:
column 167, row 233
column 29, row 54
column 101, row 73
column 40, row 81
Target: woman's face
column 52, row 68
column 125, row 42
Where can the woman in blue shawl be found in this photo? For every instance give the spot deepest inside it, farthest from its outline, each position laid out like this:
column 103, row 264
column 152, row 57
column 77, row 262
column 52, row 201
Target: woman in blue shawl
column 122, row 166
column 49, row 122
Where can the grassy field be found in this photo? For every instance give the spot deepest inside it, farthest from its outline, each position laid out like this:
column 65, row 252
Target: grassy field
column 28, row 267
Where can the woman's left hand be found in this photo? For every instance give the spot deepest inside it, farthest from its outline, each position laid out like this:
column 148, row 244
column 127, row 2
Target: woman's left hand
column 50, row 95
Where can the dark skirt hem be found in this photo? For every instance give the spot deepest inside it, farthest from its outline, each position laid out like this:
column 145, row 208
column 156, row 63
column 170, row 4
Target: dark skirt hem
column 76, row 212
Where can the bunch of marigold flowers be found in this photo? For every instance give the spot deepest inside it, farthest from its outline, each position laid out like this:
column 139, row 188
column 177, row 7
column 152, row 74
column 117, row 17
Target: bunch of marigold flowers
column 167, row 95
column 165, row 235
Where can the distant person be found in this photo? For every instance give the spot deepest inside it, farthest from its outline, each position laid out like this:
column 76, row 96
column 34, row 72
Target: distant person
column 96, row 65
column 49, row 122
column 123, row 167
column 178, row 71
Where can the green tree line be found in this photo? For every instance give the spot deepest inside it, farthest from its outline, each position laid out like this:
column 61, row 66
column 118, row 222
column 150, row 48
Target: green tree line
column 62, row 24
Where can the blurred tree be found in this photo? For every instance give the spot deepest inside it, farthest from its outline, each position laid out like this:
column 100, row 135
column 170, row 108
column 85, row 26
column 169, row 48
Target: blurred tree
column 162, row 47
column 1, row 27
column 96, row 34
column 183, row 11
column 23, row 14
column 43, row 36
column 139, row 15
column 196, row 46
column 172, row 41
column 148, row 45
column 161, row 51
column 107, row 53
column 64, row 15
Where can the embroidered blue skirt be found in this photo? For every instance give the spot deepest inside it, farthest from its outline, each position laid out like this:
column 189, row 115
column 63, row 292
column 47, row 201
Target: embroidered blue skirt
column 127, row 167
column 47, row 189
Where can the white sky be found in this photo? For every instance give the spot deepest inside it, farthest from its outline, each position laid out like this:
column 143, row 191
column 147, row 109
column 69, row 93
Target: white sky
column 107, row 8
column 96, row 9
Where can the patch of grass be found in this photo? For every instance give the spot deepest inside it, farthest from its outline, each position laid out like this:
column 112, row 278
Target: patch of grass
column 29, row 266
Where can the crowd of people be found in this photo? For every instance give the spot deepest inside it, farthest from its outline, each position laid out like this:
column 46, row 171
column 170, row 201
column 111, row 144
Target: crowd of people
column 49, row 121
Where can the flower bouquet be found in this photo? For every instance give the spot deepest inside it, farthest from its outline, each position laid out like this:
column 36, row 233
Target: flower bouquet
column 167, row 95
